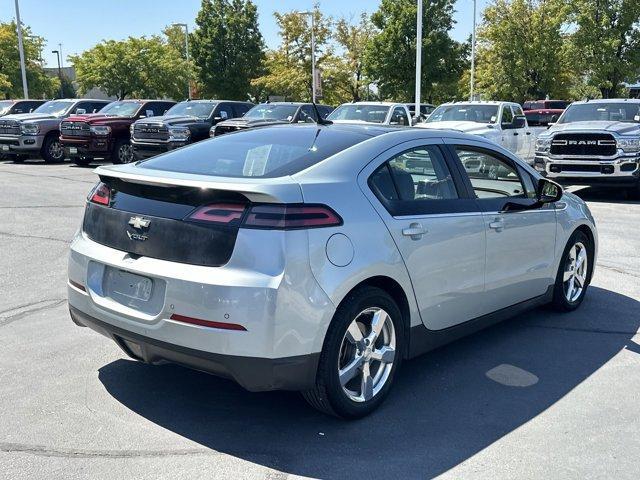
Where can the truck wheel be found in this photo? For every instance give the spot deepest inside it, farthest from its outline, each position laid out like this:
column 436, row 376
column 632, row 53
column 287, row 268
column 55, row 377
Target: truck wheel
column 123, row 151
column 52, row 151
column 360, row 356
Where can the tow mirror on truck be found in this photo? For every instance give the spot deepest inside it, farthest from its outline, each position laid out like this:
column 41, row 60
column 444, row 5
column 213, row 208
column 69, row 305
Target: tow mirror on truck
column 80, row 111
column 518, row 122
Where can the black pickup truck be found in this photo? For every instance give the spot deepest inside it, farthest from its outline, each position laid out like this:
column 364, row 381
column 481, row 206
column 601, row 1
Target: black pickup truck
column 185, row 123
column 274, row 113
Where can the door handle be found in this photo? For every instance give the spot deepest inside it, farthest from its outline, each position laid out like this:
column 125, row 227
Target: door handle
column 497, row 224
column 515, row 134
column 528, row 133
column 415, row 231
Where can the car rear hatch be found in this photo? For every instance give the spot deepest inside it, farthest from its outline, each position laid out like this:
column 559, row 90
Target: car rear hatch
column 190, row 219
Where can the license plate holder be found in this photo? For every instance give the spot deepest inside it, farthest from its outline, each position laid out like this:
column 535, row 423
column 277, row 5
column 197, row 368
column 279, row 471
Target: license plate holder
column 4, row 148
column 128, row 285
column 73, row 150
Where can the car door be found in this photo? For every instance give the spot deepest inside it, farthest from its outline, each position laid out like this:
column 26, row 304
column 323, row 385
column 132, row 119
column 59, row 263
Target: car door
column 525, row 139
column 520, row 240
column 509, row 140
column 436, row 227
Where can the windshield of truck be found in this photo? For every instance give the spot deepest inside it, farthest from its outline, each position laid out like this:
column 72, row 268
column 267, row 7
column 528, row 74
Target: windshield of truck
column 272, row 112
column 121, row 109
column 360, row 113
column 464, row 113
column 5, row 106
column 54, row 107
column 194, row 109
column 599, row 112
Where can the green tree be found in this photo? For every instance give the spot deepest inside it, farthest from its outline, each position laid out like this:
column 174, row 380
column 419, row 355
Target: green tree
column 227, row 48
column 288, row 69
column 40, row 85
column 68, row 90
column 353, row 39
column 606, row 43
column 523, row 51
column 391, row 54
column 138, row 67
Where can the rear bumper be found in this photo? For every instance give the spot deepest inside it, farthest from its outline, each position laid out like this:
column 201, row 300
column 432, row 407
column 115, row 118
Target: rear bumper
column 254, row 374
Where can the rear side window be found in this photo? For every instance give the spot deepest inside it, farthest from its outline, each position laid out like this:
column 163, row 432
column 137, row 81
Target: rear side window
column 263, row 152
column 491, row 177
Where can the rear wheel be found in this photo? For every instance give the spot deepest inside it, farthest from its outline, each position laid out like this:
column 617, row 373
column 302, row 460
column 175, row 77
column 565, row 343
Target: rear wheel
column 361, row 355
column 574, row 273
column 52, row 151
column 123, row 151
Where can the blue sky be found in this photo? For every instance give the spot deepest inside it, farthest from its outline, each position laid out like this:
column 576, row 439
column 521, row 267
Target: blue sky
column 80, row 24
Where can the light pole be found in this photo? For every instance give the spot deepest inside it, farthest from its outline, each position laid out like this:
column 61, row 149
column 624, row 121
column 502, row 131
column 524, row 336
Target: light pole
column 61, row 56
column 418, row 57
column 57, row 52
column 473, row 51
column 186, row 49
column 25, row 87
column 313, row 55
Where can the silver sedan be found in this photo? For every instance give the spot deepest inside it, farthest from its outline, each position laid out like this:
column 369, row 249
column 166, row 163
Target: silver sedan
column 317, row 258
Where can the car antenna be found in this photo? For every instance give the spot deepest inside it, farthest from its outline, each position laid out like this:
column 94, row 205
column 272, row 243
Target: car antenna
column 320, row 120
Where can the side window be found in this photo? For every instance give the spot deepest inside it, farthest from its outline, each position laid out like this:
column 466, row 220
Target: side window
column 517, row 111
column 491, row 176
column 325, row 111
column 224, row 111
column 307, row 114
column 399, row 117
column 507, row 117
column 239, row 109
column 156, row 109
column 414, row 182
column 86, row 106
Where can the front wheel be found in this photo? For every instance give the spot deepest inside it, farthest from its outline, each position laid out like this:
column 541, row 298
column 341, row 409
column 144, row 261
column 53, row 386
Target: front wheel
column 52, row 151
column 361, row 355
column 574, row 273
column 123, row 151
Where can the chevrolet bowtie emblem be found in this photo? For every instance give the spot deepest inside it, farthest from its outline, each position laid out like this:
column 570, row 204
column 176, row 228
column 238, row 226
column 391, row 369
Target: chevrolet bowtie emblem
column 139, row 222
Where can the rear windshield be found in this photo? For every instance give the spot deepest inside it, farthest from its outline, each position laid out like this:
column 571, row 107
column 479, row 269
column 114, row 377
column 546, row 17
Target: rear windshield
column 360, row 113
column 262, row 152
column 272, row 112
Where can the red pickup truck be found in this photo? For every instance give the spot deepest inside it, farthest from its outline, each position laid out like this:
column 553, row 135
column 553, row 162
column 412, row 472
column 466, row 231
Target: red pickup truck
column 540, row 113
column 106, row 134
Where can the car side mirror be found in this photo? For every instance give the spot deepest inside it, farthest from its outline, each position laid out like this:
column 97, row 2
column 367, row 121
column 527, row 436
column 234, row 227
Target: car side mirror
column 80, row 111
column 548, row 191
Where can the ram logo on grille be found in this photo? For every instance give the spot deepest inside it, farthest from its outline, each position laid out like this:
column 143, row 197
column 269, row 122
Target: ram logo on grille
column 149, row 130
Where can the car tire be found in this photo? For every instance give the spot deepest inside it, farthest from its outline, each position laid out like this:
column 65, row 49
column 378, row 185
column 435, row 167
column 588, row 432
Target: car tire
column 123, row 152
column 573, row 277
column 352, row 347
column 52, row 151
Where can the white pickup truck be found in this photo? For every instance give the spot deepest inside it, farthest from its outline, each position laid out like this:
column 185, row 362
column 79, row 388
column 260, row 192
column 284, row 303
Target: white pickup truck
column 502, row 122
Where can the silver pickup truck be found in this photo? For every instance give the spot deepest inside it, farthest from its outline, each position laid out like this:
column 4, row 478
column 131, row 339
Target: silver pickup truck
column 594, row 142
column 37, row 133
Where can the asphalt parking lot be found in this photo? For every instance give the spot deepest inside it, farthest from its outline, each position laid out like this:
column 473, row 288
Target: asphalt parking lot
column 541, row 396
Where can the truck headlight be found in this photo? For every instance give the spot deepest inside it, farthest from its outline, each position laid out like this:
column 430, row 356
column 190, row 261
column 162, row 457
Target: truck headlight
column 100, row 130
column 179, row 133
column 543, row 144
column 629, row 144
column 29, row 128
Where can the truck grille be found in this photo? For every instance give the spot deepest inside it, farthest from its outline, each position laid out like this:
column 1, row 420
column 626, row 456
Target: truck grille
column 150, row 132
column 9, row 127
column 75, row 129
column 589, row 144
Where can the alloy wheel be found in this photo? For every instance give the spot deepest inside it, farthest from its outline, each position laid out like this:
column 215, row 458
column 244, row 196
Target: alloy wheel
column 125, row 153
column 367, row 354
column 575, row 272
column 55, row 150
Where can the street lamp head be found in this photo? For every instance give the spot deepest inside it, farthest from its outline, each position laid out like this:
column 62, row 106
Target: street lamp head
column 55, row 51
column 179, row 25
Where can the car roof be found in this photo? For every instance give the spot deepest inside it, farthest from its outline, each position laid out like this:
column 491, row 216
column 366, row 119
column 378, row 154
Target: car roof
column 385, row 104
column 609, row 100
column 482, row 102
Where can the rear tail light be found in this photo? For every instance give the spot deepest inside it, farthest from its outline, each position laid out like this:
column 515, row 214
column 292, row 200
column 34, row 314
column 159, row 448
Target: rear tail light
column 219, row 213
column 268, row 216
column 101, row 194
column 291, row 216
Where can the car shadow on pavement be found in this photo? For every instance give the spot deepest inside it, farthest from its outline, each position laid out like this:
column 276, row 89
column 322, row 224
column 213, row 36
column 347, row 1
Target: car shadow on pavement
column 446, row 406
column 607, row 195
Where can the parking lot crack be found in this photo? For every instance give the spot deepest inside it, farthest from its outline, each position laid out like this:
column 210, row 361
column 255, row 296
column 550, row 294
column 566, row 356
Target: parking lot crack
column 16, row 313
column 587, row 330
column 18, row 235
column 44, row 451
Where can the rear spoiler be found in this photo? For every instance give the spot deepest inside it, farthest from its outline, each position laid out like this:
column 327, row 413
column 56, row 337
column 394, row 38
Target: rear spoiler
column 270, row 190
